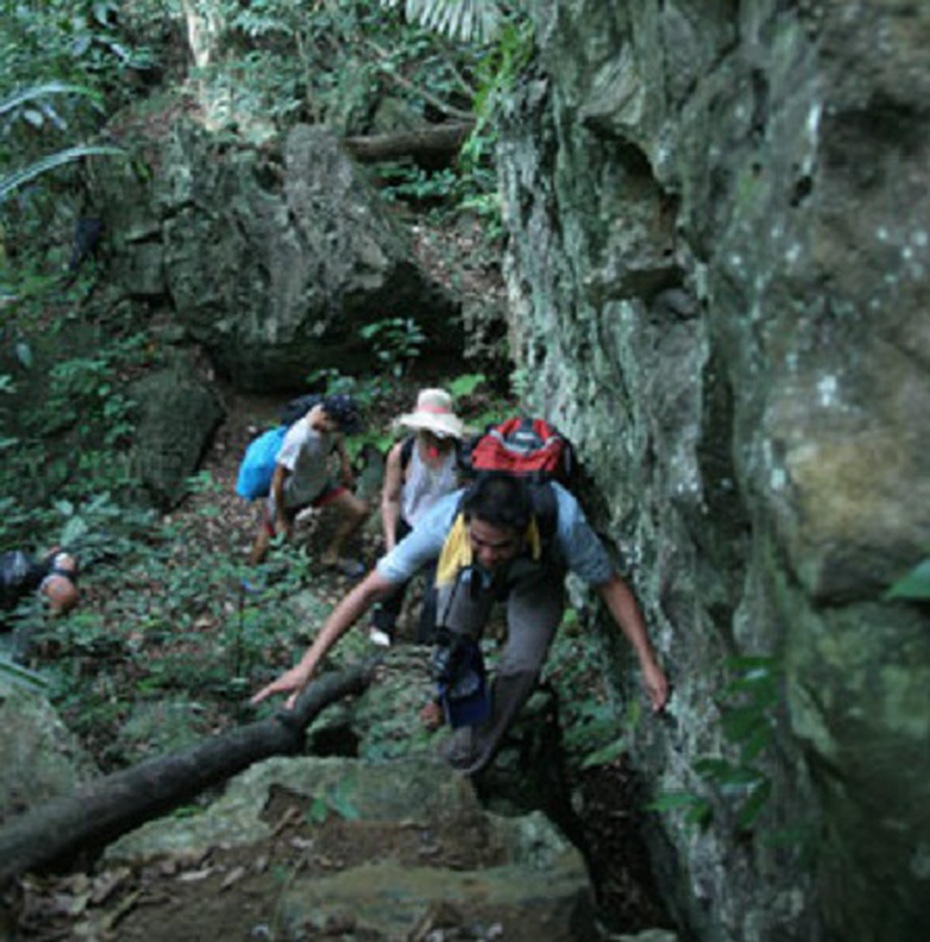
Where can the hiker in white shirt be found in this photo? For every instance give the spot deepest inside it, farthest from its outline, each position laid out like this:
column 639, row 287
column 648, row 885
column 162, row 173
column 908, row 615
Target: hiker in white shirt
column 302, row 479
column 419, row 470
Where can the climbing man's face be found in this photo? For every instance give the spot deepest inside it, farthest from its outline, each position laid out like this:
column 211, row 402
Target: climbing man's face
column 493, row 547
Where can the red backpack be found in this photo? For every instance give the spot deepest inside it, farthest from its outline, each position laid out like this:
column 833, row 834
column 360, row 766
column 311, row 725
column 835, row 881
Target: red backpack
column 527, row 448
column 524, row 447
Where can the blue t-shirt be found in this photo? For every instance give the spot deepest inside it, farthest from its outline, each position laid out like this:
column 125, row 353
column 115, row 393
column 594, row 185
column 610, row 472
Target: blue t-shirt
column 577, row 545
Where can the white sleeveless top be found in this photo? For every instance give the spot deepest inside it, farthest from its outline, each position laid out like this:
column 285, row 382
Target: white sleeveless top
column 425, row 485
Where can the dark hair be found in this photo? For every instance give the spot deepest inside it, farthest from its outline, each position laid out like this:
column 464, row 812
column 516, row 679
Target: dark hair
column 342, row 410
column 500, row 501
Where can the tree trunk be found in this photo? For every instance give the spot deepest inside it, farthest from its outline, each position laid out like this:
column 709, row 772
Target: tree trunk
column 102, row 810
column 442, row 141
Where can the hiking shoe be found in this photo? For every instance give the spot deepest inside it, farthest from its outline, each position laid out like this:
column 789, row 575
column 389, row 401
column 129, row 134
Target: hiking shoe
column 379, row 637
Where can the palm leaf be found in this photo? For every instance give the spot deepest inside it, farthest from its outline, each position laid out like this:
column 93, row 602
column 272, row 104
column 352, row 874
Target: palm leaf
column 33, row 92
column 463, row 20
column 19, row 177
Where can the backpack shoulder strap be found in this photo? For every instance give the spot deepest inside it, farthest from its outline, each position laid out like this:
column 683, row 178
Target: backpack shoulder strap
column 545, row 510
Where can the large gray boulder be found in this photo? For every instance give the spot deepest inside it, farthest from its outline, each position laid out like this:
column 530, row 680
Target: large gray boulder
column 410, row 837
column 178, row 414
column 41, row 759
column 718, row 283
column 273, row 257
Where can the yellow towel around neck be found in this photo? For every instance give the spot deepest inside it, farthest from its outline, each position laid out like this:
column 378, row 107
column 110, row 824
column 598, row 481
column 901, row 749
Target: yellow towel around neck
column 457, row 552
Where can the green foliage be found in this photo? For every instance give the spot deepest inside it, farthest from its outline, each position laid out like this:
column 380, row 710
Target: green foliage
column 913, row 586
column 747, row 710
column 469, row 188
column 61, row 463
column 697, row 811
column 335, row 799
column 520, row 382
column 412, row 184
column 465, row 384
column 77, row 41
column 497, row 74
column 19, row 676
column 397, row 342
column 61, row 55
column 31, row 107
column 13, row 181
column 595, row 728
column 23, row 118
column 169, row 617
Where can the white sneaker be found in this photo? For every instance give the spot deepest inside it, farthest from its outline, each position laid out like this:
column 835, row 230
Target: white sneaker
column 378, row 637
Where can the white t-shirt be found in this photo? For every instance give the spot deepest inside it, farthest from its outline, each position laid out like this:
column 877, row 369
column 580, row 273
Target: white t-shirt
column 425, row 485
column 305, row 453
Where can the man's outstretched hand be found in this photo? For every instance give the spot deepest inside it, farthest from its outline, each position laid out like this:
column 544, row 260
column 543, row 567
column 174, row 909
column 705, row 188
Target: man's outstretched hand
column 292, row 682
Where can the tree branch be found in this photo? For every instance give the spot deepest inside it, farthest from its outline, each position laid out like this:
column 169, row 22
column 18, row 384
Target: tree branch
column 439, row 140
column 102, row 810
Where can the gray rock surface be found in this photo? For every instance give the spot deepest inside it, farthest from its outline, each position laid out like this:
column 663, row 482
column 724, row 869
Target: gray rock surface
column 718, row 285
column 272, row 257
column 177, row 415
column 41, row 759
column 515, row 872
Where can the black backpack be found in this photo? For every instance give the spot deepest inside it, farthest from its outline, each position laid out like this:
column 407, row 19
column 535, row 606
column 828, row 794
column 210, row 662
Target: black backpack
column 298, row 407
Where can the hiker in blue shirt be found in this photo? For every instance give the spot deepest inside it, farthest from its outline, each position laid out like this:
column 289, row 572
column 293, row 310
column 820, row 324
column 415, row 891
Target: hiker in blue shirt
column 489, row 546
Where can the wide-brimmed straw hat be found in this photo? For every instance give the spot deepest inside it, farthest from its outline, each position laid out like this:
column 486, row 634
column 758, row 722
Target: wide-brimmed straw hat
column 434, row 414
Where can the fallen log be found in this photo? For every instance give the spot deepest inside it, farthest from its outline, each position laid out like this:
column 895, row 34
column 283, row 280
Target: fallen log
column 442, row 141
column 102, row 810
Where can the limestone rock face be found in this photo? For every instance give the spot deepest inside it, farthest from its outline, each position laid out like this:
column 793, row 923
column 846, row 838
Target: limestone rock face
column 271, row 257
column 177, row 416
column 41, row 759
column 718, row 286
column 411, row 839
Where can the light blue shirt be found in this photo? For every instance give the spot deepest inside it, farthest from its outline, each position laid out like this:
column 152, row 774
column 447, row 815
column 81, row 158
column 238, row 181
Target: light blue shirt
column 577, row 545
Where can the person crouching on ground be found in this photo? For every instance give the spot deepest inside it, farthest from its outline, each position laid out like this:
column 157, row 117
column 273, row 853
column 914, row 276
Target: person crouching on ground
column 419, row 470
column 54, row 577
column 488, row 547
column 302, row 479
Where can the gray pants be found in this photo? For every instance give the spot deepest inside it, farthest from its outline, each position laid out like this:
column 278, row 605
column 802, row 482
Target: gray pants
column 535, row 600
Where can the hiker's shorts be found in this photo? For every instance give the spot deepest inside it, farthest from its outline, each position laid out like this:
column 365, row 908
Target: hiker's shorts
column 331, row 491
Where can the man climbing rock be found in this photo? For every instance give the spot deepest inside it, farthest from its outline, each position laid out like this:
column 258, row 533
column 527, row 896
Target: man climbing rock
column 488, row 546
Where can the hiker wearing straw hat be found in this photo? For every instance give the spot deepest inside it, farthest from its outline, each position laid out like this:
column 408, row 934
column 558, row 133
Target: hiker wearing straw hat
column 419, row 470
